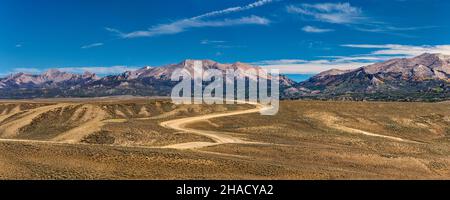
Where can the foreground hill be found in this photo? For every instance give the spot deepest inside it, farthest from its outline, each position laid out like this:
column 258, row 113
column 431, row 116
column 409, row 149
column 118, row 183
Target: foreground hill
column 127, row 139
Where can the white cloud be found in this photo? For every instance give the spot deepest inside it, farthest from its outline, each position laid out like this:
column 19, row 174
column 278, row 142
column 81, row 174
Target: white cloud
column 337, row 13
column 26, row 70
column 279, row 62
column 350, row 16
column 212, row 42
column 199, row 21
column 379, row 28
column 220, row 44
column 98, row 70
column 402, row 50
column 314, row 66
column 78, row 70
column 92, row 45
column 312, row 29
column 233, row 9
column 360, row 58
column 185, row 24
column 229, row 46
column 113, row 30
column 380, row 53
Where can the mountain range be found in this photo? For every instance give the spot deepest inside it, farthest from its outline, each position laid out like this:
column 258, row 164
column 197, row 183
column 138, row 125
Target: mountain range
column 423, row 78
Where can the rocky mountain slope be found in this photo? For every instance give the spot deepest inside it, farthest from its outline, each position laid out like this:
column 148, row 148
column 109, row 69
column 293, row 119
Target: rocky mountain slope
column 50, row 78
column 147, row 81
column 425, row 77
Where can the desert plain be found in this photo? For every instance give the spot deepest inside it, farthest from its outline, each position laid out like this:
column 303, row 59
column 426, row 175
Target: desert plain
column 152, row 138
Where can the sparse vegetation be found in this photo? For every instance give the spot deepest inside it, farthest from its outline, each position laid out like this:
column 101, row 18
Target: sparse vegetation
column 102, row 137
column 306, row 140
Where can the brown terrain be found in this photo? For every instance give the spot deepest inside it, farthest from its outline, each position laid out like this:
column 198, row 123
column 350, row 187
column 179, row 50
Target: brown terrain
column 143, row 138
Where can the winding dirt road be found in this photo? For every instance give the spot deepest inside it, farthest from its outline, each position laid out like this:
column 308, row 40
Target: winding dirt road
column 216, row 136
column 333, row 122
column 74, row 135
column 96, row 119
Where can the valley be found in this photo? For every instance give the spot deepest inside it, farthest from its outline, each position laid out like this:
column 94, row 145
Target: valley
column 151, row 138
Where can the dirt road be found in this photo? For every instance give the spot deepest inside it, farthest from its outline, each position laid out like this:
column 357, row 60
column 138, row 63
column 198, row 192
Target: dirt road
column 332, row 121
column 216, row 136
column 93, row 118
column 97, row 119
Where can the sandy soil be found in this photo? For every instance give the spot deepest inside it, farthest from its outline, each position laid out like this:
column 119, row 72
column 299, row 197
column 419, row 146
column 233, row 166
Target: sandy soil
column 137, row 139
column 11, row 129
column 218, row 137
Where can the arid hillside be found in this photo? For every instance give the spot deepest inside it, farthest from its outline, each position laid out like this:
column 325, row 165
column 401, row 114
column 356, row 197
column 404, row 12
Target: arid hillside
column 126, row 122
column 139, row 138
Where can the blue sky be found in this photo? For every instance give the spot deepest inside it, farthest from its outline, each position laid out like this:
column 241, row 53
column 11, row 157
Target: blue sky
column 299, row 37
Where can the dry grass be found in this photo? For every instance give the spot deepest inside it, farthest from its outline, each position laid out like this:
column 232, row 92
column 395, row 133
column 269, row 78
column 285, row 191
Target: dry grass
column 348, row 139
column 306, row 140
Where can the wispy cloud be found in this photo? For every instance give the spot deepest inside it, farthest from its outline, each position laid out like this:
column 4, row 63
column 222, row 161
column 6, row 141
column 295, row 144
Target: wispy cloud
column 78, row 70
column 388, row 28
column 233, row 9
column 402, row 50
column 185, row 24
column 359, row 58
column 312, row 29
column 115, row 31
column 378, row 53
column 92, row 45
column 26, row 70
column 337, row 13
column 311, row 66
column 212, row 42
column 199, row 22
column 220, row 44
column 349, row 16
column 98, row 70
column 279, row 62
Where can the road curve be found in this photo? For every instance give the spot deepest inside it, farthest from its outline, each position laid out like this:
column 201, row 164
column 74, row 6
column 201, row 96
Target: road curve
column 216, row 136
column 180, row 125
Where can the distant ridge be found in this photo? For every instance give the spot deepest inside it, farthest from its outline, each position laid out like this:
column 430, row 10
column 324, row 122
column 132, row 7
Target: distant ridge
column 146, row 81
column 422, row 78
